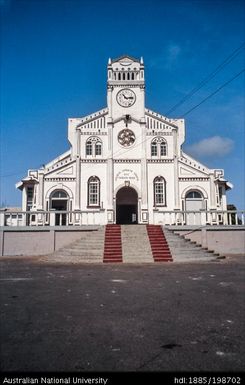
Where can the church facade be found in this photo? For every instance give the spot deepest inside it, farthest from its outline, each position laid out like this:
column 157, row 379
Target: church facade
column 125, row 165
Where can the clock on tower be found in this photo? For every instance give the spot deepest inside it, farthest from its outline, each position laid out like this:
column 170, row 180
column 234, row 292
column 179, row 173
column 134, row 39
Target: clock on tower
column 126, row 88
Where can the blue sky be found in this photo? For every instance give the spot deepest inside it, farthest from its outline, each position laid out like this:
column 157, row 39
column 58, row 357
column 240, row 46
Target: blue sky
column 54, row 55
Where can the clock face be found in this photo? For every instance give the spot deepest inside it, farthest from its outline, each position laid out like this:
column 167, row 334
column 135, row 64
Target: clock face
column 126, row 137
column 126, row 97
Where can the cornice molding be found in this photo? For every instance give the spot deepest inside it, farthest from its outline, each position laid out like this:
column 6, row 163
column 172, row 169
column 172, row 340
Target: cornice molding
column 160, row 160
column 126, row 160
column 193, row 179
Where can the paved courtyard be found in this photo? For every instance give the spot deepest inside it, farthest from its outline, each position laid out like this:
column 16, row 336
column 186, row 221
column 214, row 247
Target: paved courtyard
column 152, row 317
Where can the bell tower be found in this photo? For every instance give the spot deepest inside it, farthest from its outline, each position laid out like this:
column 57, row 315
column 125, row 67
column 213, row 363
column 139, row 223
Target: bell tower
column 126, row 88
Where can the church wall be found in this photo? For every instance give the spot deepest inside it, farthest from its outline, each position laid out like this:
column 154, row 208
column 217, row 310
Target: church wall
column 51, row 186
column 167, row 137
column 202, row 186
column 133, row 151
column 165, row 170
column 127, row 172
column 88, row 170
column 83, row 139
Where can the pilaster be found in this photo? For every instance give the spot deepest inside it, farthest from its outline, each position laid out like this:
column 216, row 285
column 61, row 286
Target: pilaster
column 78, row 184
column 176, row 171
column 212, row 192
column 144, row 171
column 40, row 188
column 78, row 172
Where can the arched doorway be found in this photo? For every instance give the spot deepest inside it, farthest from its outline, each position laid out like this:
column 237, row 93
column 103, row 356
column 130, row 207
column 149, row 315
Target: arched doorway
column 59, row 202
column 127, row 206
column 194, row 203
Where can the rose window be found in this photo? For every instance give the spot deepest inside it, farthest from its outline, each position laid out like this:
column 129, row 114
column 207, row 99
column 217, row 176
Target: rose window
column 126, row 137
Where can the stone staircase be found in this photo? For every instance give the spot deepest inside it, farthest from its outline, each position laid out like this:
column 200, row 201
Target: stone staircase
column 88, row 249
column 113, row 244
column 159, row 245
column 184, row 250
column 131, row 244
column 135, row 244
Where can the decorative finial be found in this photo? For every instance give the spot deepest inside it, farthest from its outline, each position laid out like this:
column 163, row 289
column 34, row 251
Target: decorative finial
column 109, row 61
column 141, row 60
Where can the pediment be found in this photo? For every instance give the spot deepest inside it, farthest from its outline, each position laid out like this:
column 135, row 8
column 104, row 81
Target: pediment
column 66, row 171
column 125, row 60
column 63, row 171
column 185, row 171
column 192, row 169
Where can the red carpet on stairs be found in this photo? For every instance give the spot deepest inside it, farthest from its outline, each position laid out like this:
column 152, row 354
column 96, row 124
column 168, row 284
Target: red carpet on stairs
column 113, row 244
column 159, row 245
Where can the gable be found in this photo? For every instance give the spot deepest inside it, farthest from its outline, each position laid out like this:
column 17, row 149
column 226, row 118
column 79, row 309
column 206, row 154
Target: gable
column 185, row 171
column 192, row 169
column 125, row 60
column 62, row 171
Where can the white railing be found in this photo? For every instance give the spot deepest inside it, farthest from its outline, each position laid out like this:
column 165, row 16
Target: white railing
column 91, row 217
column 202, row 217
column 51, row 218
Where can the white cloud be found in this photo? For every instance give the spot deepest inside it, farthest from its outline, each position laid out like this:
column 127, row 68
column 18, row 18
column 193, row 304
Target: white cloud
column 215, row 146
column 173, row 53
column 168, row 57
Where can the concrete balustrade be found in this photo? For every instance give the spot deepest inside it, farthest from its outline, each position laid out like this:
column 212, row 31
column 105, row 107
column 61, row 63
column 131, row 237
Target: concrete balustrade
column 96, row 217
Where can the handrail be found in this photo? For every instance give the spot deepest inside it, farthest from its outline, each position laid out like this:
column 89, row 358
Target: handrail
column 98, row 216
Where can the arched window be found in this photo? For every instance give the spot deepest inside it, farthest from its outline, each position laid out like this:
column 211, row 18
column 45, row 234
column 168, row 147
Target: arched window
column 59, row 194
column 93, row 191
column 159, row 185
column 163, row 148
column 153, row 148
column 194, row 195
column 93, row 146
column 158, row 147
column 97, row 148
column 88, row 147
column 128, row 76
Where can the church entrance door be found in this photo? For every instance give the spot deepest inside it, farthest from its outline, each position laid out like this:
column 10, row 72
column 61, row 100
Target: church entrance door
column 59, row 202
column 127, row 206
column 194, row 203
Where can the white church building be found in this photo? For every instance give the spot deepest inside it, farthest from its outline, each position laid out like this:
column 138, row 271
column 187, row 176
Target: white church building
column 125, row 165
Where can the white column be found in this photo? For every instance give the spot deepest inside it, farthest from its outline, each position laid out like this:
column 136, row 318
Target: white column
column 212, row 192
column 40, row 188
column 110, row 167
column 142, row 104
column 78, row 173
column 110, row 183
column 176, row 172
column 24, row 198
column 78, row 185
column 109, row 100
column 2, row 217
column 144, row 177
column 52, row 217
column 110, row 175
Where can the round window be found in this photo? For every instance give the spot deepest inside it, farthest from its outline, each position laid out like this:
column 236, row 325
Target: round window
column 126, row 137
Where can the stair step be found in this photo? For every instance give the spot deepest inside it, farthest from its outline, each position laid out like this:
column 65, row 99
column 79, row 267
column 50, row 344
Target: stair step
column 112, row 244
column 159, row 245
column 133, row 244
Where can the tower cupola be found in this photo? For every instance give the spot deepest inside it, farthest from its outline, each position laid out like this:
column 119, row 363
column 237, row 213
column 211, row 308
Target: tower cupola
column 125, row 70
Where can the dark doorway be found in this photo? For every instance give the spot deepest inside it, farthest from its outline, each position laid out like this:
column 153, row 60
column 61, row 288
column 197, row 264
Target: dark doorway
column 127, row 206
column 59, row 200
